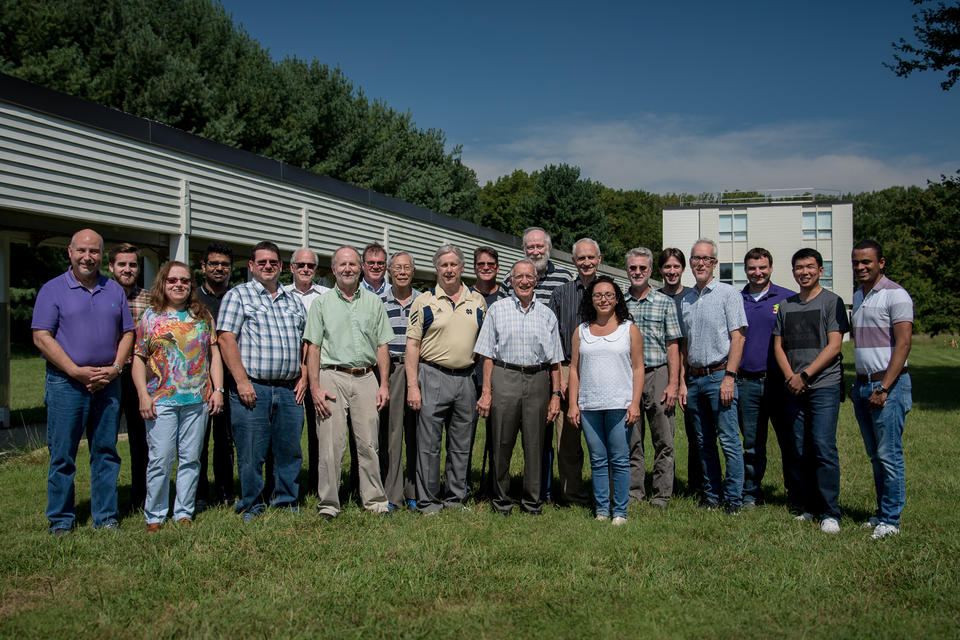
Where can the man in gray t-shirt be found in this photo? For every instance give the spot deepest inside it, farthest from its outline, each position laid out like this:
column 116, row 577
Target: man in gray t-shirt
column 807, row 339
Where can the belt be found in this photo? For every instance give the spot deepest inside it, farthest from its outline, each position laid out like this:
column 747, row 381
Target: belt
column 699, row 372
column 466, row 371
column 751, row 375
column 522, row 368
column 397, row 357
column 863, row 378
column 650, row 369
column 362, row 371
column 273, row 383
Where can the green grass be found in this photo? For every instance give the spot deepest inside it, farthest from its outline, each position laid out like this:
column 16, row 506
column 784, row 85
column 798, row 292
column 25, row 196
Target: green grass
column 679, row 573
column 26, row 389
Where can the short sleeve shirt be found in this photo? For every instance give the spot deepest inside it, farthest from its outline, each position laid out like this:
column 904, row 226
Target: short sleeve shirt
column 874, row 315
column 348, row 332
column 515, row 336
column 762, row 315
column 306, row 297
column 709, row 315
column 803, row 327
column 447, row 331
column 399, row 315
column 87, row 324
column 268, row 329
column 176, row 348
column 656, row 317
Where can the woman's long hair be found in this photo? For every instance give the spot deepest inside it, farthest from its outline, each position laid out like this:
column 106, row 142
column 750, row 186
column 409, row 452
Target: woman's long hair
column 158, row 294
column 587, row 311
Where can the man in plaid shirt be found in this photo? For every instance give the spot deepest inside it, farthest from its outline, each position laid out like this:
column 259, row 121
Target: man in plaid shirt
column 655, row 314
column 260, row 327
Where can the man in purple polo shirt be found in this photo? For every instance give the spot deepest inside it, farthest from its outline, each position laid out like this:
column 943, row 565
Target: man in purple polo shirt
column 760, row 383
column 82, row 326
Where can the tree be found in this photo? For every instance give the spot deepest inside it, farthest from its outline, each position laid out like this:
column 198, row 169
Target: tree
column 938, row 30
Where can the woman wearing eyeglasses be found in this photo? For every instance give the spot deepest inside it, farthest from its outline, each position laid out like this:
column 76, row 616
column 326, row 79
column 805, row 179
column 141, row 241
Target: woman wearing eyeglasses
column 179, row 379
column 606, row 382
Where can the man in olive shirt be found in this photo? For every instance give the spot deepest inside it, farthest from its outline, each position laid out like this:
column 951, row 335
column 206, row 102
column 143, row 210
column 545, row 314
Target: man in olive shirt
column 348, row 331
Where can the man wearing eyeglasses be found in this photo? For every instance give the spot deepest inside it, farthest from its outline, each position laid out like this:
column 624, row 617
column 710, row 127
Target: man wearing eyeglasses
column 375, row 269
column 303, row 266
column 216, row 266
column 260, row 326
column 655, row 314
column 713, row 323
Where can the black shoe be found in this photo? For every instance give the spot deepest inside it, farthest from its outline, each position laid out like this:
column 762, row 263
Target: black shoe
column 731, row 509
column 707, row 505
column 327, row 516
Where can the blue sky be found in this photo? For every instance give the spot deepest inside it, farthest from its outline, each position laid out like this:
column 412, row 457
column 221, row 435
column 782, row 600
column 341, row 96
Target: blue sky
column 682, row 96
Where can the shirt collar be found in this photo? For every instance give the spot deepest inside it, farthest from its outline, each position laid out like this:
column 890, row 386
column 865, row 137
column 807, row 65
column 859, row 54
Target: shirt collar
column 73, row 283
column 516, row 301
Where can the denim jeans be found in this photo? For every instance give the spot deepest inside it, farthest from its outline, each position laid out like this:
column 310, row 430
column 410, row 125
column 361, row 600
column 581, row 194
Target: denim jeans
column 608, row 441
column 177, row 432
column 882, row 431
column 712, row 420
column 813, row 415
column 71, row 411
column 758, row 402
column 275, row 421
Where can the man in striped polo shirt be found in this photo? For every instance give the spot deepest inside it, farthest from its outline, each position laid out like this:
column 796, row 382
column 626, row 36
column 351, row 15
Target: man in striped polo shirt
column 882, row 330
column 398, row 423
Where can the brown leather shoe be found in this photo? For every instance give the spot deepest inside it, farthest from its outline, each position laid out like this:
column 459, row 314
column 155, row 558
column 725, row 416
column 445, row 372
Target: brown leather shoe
column 186, row 522
column 153, row 527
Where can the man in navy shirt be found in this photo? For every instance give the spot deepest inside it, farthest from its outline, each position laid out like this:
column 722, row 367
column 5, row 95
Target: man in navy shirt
column 759, row 381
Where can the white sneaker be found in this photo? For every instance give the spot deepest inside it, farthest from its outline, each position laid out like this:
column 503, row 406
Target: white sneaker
column 619, row 520
column 805, row 517
column 871, row 523
column 830, row 525
column 601, row 517
column 883, row 529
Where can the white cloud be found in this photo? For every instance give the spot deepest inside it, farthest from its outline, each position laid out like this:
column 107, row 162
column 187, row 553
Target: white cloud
column 680, row 155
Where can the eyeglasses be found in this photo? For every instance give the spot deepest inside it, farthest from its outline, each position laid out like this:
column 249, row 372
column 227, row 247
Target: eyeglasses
column 263, row 263
column 491, row 265
column 173, row 280
column 605, row 296
column 401, row 268
column 217, row 263
column 523, row 276
column 638, row 267
column 305, row 265
column 702, row 259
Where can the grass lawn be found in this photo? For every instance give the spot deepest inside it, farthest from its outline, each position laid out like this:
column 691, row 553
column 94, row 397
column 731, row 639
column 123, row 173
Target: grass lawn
column 678, row 573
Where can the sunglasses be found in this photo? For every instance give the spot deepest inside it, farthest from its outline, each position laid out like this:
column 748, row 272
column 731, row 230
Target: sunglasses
column 304, row 265
column 178, row 280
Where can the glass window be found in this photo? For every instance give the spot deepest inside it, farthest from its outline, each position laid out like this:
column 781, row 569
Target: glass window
column 809, row 225
column 726, row 272
column 739, row 274
column 740, row 227
column 824, row 225
column 826, row 280
column 726, row 227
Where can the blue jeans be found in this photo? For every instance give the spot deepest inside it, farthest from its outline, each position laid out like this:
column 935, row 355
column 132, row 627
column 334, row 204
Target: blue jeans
column 178, row 432
column 712, row 420
column 276, row 421
column 71, row 411
column 882, row 431
column 758, row 402
column 608, row 440
column 813, row 415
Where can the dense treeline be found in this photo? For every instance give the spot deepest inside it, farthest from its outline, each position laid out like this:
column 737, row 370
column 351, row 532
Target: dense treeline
column 185, row 63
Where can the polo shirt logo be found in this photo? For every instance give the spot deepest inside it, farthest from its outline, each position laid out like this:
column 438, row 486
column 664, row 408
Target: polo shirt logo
column 469, row 312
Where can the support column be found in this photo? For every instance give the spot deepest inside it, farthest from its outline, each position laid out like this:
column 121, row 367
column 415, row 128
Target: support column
column 180, row 244
column 4, row 329
column 180, row 248
column 150, row 267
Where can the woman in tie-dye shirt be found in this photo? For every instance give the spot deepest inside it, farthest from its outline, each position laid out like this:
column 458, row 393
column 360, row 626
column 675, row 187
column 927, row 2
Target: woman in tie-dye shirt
column 179, row 379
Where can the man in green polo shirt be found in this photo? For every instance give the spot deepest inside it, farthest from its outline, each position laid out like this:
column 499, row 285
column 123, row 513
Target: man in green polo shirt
column 348, row 332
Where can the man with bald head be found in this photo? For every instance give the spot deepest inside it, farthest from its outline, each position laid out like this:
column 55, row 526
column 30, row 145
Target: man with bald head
column 82, row 326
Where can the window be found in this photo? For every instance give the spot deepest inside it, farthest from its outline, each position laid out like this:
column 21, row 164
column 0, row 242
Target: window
column 826, row 280
column 817, row 223
column 733, row 273
column 733, row 227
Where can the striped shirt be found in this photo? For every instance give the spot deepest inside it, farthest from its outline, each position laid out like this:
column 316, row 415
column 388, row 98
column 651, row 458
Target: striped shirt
column 656, row 316
column 549, row 280
column 498, row 294
column 268, row 329
column 708, row 318
column 446, row 330
column 565, row 303
column 519, row 337
column 398, row 315
column 874, row 315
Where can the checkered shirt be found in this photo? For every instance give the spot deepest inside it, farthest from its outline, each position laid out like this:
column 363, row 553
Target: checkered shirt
column 656, row 317
column 520, row 337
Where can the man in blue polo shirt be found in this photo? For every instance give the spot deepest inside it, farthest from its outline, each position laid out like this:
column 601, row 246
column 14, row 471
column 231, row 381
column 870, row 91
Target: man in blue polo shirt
column 759, row 382
column 82, row 326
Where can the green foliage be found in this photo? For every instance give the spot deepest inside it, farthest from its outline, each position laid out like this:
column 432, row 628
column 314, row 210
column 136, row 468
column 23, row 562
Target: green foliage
column 938, row 32
column 187, row 65
column 919, row 230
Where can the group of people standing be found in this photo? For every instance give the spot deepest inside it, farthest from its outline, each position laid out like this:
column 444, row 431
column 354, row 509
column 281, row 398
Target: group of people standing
column 385, row 369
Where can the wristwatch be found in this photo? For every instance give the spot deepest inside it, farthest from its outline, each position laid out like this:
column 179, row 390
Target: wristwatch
column 730, row 374
column 804, row 377
column 882, row 389
column 220, row 389
column 557, row 393
column 118, row 368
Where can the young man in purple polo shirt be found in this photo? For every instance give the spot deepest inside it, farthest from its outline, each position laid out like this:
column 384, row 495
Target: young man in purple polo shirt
column 759, row 382
column 82, row 326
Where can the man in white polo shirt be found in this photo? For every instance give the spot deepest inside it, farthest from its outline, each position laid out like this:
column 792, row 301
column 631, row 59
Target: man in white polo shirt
column 882, row 329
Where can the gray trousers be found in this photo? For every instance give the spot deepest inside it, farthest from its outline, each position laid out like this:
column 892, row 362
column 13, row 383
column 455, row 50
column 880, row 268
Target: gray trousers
column 520, row 403
column 661, row 434
column 446, row 399
column 398, row 423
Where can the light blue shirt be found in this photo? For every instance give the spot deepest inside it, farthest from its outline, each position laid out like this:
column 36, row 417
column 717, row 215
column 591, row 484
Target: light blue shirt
column 709, row 315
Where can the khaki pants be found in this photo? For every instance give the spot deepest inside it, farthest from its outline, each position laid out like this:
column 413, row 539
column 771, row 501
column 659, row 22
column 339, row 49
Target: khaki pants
column 358, row 396
column 661, row 435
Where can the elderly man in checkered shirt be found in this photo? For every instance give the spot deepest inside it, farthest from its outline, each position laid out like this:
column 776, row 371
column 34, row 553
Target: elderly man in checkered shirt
column 520, row 345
